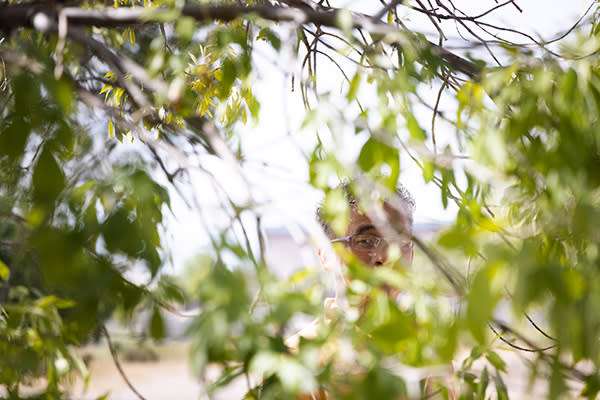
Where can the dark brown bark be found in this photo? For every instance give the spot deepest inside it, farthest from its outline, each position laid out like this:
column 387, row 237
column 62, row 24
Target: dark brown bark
column 25, row 14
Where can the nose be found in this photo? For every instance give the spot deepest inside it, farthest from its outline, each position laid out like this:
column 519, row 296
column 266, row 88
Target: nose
column 380, row 255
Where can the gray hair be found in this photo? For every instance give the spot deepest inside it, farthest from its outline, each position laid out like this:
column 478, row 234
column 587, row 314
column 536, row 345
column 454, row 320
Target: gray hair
column 407, row 202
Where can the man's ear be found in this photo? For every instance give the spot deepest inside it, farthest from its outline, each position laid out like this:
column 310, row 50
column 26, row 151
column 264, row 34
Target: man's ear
column 323, row 260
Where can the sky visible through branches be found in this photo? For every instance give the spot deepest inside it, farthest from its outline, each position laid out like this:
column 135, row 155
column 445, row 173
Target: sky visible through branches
column 276, row 148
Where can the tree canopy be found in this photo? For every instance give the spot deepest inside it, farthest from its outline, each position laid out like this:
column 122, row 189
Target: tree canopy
column 502, row 122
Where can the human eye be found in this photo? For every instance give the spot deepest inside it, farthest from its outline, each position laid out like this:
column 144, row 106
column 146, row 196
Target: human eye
column 365, row 242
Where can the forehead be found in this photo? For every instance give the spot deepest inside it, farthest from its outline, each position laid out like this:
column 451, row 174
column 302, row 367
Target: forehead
column 359, row 221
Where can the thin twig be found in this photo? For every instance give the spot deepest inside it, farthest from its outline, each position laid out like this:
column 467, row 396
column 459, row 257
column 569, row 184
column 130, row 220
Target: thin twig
column 435, row 23
column 20, row 15
column 387, row 8
column 516, row 347
column 164, row 35
column 431, row 395
column 4, row 83
column 540, row 330
column 113, row 353
column 433, row 118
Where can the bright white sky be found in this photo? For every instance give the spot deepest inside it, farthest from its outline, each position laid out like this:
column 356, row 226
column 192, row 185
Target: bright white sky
column 276, row 148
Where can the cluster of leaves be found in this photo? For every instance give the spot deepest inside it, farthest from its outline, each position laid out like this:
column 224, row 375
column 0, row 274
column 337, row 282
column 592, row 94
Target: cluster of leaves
column 543, row 132
column 537, row 139
column 76, row 218
column 72, row 226
column 246, row 335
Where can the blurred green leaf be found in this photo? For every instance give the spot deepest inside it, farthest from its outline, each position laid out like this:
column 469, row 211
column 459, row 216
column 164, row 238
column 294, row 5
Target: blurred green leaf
column 13, row 138
column 271, row 37
column 54, row 301
column 415, row 130
column 185, row 27
column 496, row 361
column 592, row 386
column 4, row 271
column 157, row 325
column 483, row 384
column 374, row 155
column 501, row 390
column 336, row 210
column 354, row 85
column 481, row 302
column 48, row 179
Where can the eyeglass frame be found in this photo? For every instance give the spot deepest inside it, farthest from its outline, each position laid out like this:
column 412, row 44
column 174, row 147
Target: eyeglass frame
column 380, row 240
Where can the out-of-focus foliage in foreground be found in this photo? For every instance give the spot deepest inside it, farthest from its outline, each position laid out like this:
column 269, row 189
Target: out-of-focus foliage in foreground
column 507, row 131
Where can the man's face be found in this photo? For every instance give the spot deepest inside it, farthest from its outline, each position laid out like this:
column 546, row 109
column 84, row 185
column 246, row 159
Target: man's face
column 360, row 224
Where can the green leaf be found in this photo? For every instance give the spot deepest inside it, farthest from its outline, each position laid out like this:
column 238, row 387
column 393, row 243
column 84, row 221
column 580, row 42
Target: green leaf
column 394, row 331
column 227, row 78
column 253, row 106
column 224, row 38
column 157, row 325
column 185, row 28
column 428, row 171
column 170, row 290
column 48, row 179
column 228, row 375
column 484, row 380
column 27, row 98
column 322, row 170
column 354, row 85
column 569, row 87
column 481, row 302
column 336, row 210
column 64, row 93
column 4, row 271
column 374, row 156
column 459, row 237
column 501, row 390
column 54, row 301
column 592, row 386
column 269, row 36
column 476, row 352
column 13, row 139
column 415, row 130
column 496, row 361
column 111, row 129
column 390, row 277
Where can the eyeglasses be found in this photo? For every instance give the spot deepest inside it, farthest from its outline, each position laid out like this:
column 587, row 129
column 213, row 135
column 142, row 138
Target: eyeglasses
column 362, row 242
column 368, row 243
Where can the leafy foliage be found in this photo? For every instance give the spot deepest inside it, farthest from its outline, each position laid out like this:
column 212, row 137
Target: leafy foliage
column 518, row 159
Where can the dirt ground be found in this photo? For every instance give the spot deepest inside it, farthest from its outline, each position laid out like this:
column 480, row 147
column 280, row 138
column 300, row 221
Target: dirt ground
column 171, row 378
column 168, row 378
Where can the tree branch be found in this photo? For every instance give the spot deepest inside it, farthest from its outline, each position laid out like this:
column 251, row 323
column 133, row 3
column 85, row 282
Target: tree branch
column 35, row 15
column 113, row 353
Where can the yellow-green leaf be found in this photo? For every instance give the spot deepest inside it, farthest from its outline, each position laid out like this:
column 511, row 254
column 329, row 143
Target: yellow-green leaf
column 4, row 271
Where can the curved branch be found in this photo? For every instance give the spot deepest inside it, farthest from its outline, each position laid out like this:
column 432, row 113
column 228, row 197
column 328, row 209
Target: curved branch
column 32, row 14
column 531, row 349
column 113, row 353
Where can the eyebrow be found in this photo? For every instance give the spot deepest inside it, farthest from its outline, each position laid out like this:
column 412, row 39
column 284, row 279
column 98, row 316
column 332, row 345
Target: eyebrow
column 364, row 228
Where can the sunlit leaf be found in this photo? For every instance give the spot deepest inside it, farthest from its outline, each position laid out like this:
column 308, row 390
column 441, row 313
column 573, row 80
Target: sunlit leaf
column 4, row 271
